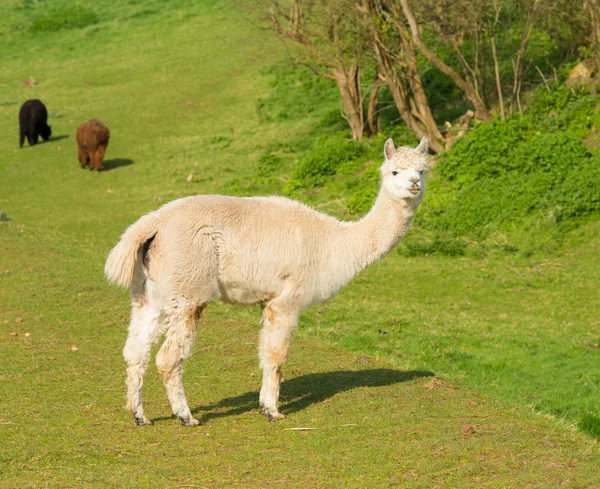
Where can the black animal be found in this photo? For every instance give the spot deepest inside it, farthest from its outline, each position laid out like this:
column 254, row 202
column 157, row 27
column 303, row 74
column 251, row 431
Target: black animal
column 33, row 118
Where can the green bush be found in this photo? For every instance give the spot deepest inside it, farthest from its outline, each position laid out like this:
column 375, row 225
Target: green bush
column 484, row 151
column 323, row 159
column 361, row 201
column 364, row 190
column 554, row 101
column 501, row 172
column 578, row 194
column 555, row 153
column 70, row 17
column 579, row 118
column 487, row 203
column 4, row 217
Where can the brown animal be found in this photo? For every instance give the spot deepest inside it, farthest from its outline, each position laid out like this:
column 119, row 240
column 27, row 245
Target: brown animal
column 30, row 83
column 92, row 140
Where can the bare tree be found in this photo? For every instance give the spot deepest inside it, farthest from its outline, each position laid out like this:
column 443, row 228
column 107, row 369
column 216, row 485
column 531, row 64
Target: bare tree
column 330, row 44
column 528, row 12
column 452, row 33
column 593, row 7
column 493, row 21
column 373, row 118
column 397, row 62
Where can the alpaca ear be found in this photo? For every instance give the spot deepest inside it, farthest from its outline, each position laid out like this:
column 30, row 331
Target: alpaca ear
column 389, row 149
column 423, row 147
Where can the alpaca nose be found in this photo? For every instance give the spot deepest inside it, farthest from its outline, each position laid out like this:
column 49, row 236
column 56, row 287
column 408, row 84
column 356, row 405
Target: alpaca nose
column 414, row 180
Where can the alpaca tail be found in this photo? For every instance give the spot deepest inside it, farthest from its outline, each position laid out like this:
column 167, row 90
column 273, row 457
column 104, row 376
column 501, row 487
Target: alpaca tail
column 121, row 261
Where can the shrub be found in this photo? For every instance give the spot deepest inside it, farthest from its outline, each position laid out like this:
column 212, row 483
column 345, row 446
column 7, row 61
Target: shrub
column 556, row 101
column 490, row 202
column 579, row 118
column 361, row 201
column 4, row 217
column 554, row 153
column 578, row 194
column 484, row 151
column 501, row 172
column 323, row 159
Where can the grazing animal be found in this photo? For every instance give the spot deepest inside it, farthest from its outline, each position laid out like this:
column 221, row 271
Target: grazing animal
column 33, row 122
column 270, row 251
column 92, row 139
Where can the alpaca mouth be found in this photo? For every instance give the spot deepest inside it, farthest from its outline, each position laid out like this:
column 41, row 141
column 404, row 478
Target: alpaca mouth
column 414, row 190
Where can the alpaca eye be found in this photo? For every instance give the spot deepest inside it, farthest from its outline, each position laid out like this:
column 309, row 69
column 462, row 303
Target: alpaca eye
column 394, row 173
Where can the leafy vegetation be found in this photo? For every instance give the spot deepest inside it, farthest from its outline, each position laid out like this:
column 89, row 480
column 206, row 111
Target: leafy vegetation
column 323, row 159
column 501, row 172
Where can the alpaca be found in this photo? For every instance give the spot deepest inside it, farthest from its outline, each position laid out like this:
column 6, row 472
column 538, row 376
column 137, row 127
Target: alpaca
column 92, row 139
column 33, row 122
column 267, row 251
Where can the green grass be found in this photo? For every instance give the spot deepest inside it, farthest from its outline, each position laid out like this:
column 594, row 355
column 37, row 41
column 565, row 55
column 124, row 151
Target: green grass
column 510, row 340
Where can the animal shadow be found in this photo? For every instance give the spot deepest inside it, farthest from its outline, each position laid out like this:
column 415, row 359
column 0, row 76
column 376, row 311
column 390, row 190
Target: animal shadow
column 57, row 138
column 303, row 391
column 52, row 139
column 116, row 163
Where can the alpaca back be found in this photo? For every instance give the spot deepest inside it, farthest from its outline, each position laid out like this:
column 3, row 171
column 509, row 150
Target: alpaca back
column 92, row 134
column 262, row 245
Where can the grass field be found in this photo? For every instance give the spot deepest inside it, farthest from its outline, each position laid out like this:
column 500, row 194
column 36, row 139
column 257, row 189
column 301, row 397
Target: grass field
column 425, row 372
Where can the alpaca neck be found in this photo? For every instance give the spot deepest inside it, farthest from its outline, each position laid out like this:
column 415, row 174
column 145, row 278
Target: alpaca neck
column 375, row 235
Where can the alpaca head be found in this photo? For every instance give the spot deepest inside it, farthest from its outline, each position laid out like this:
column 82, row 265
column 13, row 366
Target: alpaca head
column 403, row 169
column 46, row 132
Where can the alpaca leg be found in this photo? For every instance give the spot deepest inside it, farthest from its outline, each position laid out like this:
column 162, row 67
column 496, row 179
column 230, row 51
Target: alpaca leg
column 181, row 336
column 94, row 160
column 99, row 157
column 144, row 331
column 82, row 156
column 275, row 337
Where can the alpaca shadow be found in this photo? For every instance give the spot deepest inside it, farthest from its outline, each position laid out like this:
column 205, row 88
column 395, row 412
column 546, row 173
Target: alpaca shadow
column 52, row 139
column 57, row 138
column 108, row 165
column 303, row 391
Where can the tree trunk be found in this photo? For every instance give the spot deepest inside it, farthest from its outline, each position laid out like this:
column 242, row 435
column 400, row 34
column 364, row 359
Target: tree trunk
column 423, row 111
column 497, row 71
column 402, row 101
column 404, row 83
column 373, row 119
column 594, row 10
column 349, row 85
column 466, row 85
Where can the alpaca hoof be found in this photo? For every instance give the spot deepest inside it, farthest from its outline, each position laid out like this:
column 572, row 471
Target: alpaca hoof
column 275, row 416
column 141, row 420
column 272, row 415
column 191, row 421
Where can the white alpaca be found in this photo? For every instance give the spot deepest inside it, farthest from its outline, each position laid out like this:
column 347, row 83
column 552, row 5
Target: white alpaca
column 270, row 251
